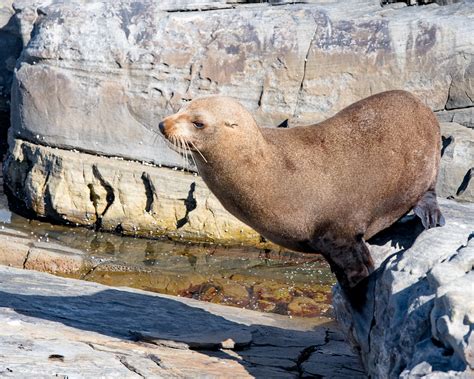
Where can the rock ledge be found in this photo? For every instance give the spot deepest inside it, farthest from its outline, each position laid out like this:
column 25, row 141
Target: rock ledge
column 418, row 320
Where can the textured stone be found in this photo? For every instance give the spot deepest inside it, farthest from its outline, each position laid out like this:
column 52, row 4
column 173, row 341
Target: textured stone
column 54, row 262
column 225, row 339
column 112, row 70
column 118, row 195
column 303, row 305
column 452, row 317
column 10, row 48
column 13, row 251
column 417, row 318
column 460, row 116
column 457, row 164
column 62, row 327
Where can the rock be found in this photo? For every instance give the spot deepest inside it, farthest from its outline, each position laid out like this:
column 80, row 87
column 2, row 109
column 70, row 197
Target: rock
column 48, row 260
column 14, row 251
column 118, row 195
column 235, row 293
column 272, row 292
column 304, row 306
column 63, row 327
column 322, row 364
column 10, row 48
column 461, row 88
column 113, row 70
column 306, row 76
column 417, row 318
column 452, row 316
column 225, row 339
column 461, row 116
column 457, row 163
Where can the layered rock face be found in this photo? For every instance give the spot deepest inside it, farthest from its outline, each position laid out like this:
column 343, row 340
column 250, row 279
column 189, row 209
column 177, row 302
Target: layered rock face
column 418, row 317
column 10, row 49
column 96, row 78
column 118, row 195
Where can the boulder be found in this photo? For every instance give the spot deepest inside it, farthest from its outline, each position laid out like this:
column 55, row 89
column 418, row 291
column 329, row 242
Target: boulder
column 417, row 319
column 96, row 77
column 457, row 163
column 118, row 195
column 10, row 49
column 112, row 70
column 58, row 327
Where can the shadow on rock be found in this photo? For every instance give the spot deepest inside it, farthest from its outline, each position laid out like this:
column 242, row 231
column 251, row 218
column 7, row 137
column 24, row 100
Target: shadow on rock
column 401, row 235
column 264, row 351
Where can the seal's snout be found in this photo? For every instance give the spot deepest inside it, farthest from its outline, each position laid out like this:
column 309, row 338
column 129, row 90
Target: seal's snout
column 161, row 125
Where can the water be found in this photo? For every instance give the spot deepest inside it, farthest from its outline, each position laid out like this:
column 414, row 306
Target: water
column 281, row 282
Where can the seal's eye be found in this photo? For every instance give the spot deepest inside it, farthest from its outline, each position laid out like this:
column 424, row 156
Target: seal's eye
column 198, row 125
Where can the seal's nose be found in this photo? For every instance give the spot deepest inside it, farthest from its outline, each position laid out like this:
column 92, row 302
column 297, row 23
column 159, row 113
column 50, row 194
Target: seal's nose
column 162, row 127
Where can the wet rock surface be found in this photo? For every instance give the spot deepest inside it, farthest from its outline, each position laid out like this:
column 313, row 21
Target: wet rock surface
column 64, row 327
column 417, row 320
column 285, row 283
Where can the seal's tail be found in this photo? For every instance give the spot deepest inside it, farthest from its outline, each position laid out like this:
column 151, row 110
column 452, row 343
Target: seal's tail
column 427, row 209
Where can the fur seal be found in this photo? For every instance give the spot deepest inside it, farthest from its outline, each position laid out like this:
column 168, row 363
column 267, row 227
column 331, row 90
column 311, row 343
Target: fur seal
column 323, row 188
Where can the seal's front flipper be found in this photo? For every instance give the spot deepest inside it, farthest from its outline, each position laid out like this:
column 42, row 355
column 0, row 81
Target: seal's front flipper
column 428, row 211
column 349, row 260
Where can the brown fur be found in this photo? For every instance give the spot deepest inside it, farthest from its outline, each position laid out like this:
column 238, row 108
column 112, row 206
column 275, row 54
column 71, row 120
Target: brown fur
column 320, row 188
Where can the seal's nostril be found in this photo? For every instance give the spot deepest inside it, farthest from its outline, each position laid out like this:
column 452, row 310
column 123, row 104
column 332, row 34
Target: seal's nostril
column 162, row 127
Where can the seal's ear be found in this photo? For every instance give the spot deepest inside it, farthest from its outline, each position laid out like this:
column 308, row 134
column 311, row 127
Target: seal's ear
column 230, row 125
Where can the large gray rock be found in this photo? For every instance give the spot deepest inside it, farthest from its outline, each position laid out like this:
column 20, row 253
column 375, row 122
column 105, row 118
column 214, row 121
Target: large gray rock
column 57, row 327
column 119, row 195
column 418, row 317
column 112, row 70
column 10, row 49
column 456, row 171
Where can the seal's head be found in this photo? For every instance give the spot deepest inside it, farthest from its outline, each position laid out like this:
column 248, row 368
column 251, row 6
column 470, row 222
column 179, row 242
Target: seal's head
column 205, row 124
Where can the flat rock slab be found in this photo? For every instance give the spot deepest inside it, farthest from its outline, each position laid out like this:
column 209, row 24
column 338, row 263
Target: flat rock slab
column 417, row 318
column 62, row 327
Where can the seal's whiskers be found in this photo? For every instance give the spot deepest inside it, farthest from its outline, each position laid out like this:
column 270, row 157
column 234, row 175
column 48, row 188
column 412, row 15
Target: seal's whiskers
column 202, row 156
column 192, row 157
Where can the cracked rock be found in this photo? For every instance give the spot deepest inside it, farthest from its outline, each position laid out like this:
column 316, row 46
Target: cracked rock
column 456, row 174
column 112, row 195
column 113, row 69
column 417, row 318
column 68, row 328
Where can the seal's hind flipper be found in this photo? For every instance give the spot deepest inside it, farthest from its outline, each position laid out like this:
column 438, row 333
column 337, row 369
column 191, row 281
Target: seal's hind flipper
column 428, row 211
